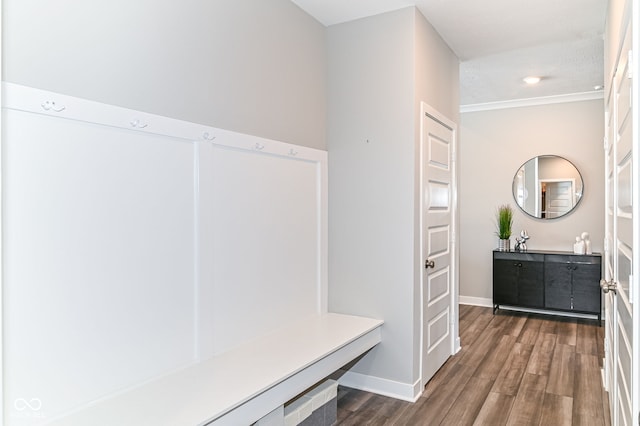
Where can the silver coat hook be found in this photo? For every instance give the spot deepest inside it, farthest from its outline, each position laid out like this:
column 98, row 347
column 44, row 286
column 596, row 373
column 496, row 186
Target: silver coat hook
column 51, row 106
column 138, row 124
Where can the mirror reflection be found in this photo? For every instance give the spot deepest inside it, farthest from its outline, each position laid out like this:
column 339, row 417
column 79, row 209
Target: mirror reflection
column 547, row 187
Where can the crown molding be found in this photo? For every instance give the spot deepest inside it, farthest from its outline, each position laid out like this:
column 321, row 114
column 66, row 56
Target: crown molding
column 544, row 100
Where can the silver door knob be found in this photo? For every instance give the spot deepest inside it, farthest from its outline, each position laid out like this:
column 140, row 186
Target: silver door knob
column 429, row 264
column 608, row 286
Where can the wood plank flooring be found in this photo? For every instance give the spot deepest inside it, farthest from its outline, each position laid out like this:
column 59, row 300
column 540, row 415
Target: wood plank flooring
column 513, row 369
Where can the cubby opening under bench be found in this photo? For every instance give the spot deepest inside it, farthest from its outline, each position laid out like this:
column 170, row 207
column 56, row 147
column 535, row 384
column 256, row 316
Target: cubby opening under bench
column 558, row 281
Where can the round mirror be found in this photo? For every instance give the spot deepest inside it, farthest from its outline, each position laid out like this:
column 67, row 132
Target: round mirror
column 547, row 187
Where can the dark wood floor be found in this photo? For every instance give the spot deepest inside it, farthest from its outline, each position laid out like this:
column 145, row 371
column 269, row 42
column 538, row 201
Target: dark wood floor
column 513, row 369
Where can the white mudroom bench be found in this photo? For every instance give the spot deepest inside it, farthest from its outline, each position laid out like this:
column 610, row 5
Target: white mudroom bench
column 243, row 384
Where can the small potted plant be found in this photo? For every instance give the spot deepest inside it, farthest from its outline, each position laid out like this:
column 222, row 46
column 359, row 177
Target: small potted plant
column 504, row 219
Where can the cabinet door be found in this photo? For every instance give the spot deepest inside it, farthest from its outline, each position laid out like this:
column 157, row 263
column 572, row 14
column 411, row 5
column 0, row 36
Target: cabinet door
column 557, row 285
column 505, row 279
column 531, row 284
column 586, row 288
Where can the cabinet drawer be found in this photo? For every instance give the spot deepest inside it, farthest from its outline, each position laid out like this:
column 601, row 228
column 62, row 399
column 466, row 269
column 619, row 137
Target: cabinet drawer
column 568, row 258
column 523, row 257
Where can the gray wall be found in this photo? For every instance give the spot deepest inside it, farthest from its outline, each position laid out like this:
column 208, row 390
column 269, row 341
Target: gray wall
column 437, row 80
column 252, row 66
column 380, row 68
column 493, row 145
column 370, row 141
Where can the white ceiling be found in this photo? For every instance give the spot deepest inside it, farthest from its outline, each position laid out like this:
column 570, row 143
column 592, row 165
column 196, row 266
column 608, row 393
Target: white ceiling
column 501, row 41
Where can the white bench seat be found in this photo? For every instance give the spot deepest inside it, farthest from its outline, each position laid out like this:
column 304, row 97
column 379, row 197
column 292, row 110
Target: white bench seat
column 244, row 384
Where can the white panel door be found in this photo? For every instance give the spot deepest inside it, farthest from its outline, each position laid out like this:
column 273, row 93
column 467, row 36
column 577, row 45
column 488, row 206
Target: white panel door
column 437, row 228
column 609, row 299
column 558, row 198
column 621, row 283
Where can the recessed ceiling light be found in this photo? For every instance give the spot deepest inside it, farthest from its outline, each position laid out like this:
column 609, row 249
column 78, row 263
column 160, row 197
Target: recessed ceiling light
column 532, row 80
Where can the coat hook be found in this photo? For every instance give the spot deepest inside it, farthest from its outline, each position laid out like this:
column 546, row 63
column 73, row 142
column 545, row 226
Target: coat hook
column 138, row 124
column 51, row 105
column 206, row 136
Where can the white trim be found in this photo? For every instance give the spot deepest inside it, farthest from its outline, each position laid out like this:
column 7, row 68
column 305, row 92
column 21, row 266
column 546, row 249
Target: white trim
column 398, row 390
column 28, row 99
column 323, row 234
column 544, row 100
column 196, row 252
column 476, row 301
column 635, row 277
column 2, row 388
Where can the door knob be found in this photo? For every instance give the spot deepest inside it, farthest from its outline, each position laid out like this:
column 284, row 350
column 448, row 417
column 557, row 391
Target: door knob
column 608, row 286
column 429, row 264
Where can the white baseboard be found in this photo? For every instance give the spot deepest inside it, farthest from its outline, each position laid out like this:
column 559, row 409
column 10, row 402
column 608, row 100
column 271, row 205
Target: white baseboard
column 476, row 301
column 385, row 387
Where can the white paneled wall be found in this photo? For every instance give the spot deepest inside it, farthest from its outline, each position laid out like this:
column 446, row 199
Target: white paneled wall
column 135, row 245
column 98, row 258
column 261, row 252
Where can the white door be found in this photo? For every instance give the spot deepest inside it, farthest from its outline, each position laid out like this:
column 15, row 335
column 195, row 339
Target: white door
column 439, row 274
column 558, row 197
column 609, row 298
column 622, row 240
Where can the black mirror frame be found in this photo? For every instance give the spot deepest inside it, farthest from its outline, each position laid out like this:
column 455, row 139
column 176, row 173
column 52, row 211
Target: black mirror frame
column 577, row 203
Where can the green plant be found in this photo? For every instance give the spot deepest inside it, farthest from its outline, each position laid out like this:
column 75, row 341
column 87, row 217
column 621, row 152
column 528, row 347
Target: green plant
column 504, row 217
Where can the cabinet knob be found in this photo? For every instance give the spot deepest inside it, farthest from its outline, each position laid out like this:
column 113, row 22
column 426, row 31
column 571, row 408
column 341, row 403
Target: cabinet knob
column 609, row 286
column 429, row 264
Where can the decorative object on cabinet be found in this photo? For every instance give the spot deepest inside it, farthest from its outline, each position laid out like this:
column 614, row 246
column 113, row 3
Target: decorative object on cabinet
column 504, row 219
column 521, row 243
column 587, row 242
column 582, row 244
column 548, row 280
column 548, row 187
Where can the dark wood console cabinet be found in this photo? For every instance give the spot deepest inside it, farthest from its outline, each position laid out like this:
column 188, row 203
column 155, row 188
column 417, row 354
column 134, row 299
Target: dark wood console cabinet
column 555, row 281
